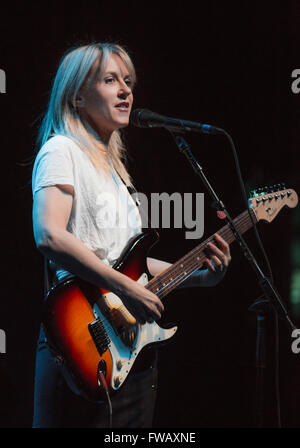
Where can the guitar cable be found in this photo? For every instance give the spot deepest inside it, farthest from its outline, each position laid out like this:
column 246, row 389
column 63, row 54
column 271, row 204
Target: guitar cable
column 102, row 382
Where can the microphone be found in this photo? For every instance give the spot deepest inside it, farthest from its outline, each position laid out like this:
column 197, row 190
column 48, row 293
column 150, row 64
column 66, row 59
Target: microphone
column 143, row 118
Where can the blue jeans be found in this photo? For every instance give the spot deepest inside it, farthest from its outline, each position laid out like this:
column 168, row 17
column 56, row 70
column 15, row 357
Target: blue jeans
column 56, row 406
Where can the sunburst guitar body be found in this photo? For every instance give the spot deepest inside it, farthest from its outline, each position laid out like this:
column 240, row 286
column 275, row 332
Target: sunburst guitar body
column 91, row 329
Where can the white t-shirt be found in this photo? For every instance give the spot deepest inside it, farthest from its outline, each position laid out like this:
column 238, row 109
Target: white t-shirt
column 104, row 216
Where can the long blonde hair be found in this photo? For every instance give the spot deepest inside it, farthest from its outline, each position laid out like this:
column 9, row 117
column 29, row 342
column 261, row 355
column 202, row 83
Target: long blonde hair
column 62, row 116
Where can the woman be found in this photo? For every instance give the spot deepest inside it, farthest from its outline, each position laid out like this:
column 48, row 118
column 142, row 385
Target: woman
column 79, row 162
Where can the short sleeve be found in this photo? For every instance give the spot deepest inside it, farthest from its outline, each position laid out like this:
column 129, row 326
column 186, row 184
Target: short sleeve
column 53, row 165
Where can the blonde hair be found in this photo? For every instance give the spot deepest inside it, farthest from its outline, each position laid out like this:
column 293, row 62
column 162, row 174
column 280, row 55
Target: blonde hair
column 62, row 116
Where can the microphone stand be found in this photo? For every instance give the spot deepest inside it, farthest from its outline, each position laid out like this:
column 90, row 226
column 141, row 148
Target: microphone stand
column 270, row 295
column 261, row 307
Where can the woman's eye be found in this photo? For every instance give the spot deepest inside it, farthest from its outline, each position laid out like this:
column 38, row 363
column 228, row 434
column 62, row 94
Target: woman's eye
column 111, row 79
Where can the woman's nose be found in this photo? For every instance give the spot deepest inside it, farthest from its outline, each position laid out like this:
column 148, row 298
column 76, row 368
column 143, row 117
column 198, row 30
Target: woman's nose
column 124, row 91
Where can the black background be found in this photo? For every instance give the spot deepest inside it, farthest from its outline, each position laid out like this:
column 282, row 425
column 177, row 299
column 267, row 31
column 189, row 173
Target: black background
column 223, row 63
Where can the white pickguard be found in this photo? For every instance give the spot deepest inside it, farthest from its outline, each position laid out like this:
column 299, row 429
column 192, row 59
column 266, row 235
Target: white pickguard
column 123, row 357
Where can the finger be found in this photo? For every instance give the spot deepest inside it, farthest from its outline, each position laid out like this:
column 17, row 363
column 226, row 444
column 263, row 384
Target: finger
column 160, row 306
column 152, row 311
column 216, row 261
column 219, row 264
column 214, row 250
column 138, row 312
column 157, row 303
column 141, row 318
column 155, row 313
column 209, row 264
column 222, row 255
column 222, row 243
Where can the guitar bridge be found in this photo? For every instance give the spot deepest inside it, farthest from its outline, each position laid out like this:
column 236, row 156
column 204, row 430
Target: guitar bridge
column 99, row 335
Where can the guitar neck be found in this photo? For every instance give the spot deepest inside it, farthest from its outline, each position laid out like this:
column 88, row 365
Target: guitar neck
column 162, row 284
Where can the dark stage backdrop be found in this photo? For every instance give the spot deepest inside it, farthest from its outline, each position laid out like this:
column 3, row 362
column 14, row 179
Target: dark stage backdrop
column 223, row 63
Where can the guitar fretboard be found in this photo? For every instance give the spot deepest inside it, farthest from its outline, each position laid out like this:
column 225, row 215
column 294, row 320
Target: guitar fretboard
column 162, row 284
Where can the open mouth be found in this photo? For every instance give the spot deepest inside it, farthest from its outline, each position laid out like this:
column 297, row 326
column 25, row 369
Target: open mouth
column 124, row 106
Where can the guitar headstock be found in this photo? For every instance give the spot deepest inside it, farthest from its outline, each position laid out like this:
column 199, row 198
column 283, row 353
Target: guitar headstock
column 268, row 201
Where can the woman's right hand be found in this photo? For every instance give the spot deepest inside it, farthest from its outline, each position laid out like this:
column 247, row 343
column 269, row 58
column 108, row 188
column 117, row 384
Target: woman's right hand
column 140, row 302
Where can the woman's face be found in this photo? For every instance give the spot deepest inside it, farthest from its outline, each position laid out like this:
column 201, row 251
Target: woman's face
column 107, row 102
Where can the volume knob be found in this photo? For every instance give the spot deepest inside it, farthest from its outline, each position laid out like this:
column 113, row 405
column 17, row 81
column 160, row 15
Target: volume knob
column 119, row 364
column 117, row 381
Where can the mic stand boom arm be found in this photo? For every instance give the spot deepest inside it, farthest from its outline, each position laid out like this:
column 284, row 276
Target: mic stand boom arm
column 267, row 287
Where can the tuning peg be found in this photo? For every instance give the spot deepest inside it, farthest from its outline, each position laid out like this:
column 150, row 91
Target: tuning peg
column 263, row 190
column 281, row 186
column 255, row 193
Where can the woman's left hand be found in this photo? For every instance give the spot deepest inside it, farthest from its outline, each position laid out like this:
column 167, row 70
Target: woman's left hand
column 218, row 255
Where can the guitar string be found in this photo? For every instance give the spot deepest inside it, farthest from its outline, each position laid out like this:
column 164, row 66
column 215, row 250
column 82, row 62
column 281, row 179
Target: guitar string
column 178, row 280
column 195, row 266
column 191, row 265
column 243, row 223
column 171, row 285
column 189, row 269
column 194, row 252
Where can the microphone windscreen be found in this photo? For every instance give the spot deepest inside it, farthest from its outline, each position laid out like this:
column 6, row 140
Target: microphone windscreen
column 144, row 118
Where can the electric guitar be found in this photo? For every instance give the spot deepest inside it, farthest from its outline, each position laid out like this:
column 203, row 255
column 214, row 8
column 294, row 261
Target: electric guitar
column 94, row 333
